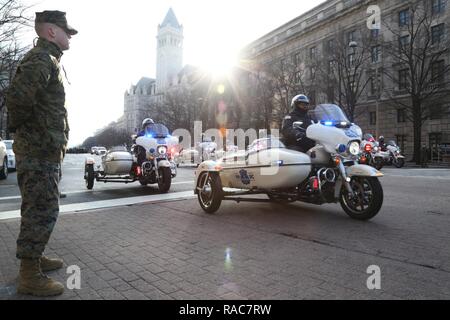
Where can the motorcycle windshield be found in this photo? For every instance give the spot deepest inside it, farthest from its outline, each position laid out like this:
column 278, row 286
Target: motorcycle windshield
column 328, row 114
column 391, row 143
column 157, row 130
column 369, row 137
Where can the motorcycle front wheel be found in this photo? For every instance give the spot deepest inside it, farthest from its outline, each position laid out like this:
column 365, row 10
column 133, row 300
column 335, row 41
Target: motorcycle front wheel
column 378, row 164
column 399, row 163
column 367, row 199
column 164, row 180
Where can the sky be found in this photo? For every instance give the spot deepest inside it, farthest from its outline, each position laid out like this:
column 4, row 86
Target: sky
column 116, row 45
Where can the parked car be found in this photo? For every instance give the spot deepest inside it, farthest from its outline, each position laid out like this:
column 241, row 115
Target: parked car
column 11, row 155
column 93, row 149
column 100, row 151
column 3, row 160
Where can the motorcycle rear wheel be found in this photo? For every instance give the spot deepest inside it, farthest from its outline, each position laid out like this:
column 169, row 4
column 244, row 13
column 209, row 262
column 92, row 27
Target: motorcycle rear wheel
column 367, row 201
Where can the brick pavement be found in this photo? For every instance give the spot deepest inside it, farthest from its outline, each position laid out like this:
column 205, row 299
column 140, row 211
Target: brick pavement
column 248, row 251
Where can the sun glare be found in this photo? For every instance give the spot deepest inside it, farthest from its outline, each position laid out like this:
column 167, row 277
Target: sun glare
column 220, row 64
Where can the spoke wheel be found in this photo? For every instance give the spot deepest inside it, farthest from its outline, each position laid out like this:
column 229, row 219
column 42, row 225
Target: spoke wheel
column 209, row 192
column 366, row 201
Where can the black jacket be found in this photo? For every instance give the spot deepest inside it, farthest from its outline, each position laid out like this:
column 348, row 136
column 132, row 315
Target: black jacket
column 296, row 137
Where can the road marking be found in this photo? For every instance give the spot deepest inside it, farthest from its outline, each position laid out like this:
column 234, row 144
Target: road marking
column 87, row 206
column 85, row 191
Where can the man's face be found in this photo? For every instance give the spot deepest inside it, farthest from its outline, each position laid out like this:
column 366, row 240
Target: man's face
column 61, row 38
column 303, row 106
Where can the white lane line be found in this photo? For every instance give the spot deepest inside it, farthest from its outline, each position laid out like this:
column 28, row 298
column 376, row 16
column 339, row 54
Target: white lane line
column 87, row 191
column 85, row 206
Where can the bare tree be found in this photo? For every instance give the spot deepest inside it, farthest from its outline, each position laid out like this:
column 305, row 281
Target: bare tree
column 342, row 72
column 419, row 48
column 12, row 20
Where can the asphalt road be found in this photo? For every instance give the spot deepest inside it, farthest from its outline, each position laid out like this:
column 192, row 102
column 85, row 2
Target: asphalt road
column 73, row 185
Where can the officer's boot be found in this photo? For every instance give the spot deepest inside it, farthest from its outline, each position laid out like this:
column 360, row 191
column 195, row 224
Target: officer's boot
column 48, row 264
column 33, row 282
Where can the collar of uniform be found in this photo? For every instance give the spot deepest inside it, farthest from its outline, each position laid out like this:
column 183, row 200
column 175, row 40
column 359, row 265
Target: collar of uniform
column 51, row 47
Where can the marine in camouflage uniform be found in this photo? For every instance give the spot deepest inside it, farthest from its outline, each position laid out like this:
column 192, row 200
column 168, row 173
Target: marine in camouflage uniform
column 38, row 117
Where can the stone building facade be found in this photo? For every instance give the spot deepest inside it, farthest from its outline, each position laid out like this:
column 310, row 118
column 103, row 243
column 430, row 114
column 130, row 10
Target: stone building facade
column 142, row 97
column 310, row 35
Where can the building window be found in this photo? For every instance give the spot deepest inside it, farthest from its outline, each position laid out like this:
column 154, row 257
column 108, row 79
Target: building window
column 297, row 59
column 403, row 43
column 331, row 67
column 330, row 46
column 435, row 112
column 403, row 18
column 437, row 72
column 401, row 115
column 351, row 59
column 373, row 118
column 351, row 36
column 401, row 141
column 376, row 54
column 298, row 77
column 375, row 33
column 403, row 79
column 312, row 73
column 438, row 6
column 437, row 33
column 312, row 53
column 375, row 85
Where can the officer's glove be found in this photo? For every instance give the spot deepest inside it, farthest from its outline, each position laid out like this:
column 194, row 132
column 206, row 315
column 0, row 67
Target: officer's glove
column 299, row 136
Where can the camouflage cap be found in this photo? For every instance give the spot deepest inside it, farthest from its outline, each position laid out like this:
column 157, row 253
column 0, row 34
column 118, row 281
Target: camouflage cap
column 56, row 17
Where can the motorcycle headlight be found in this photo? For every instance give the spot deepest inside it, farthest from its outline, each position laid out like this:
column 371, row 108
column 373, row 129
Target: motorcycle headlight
column 354, row 148
column 375, row 149
column 162, row 150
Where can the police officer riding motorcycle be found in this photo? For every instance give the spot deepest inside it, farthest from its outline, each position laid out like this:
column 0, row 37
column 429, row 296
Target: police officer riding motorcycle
column 295, row 138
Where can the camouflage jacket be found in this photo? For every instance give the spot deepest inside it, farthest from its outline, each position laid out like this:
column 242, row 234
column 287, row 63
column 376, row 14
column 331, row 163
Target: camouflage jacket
column 36, row 105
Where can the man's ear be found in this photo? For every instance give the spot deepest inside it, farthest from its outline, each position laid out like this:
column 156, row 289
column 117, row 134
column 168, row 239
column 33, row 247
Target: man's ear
column 51, row 31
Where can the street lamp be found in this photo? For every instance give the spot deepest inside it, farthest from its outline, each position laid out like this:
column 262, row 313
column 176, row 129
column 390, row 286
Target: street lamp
column 353, row 45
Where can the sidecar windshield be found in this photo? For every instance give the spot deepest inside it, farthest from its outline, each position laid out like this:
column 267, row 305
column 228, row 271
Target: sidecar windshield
column 157, row 130
column 264, row 144
column 329, row 115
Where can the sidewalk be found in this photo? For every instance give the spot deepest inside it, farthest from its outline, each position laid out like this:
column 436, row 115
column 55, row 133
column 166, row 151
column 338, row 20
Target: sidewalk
column 174, row 251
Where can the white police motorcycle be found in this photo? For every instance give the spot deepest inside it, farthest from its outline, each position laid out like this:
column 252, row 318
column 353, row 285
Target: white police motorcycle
column 328, row 173
column 149, row 161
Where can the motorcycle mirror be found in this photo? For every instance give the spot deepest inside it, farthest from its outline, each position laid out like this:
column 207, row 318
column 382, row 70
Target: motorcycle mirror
column 297, row 125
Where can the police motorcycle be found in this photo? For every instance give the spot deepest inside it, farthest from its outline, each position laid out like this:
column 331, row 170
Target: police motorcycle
column 372, row 154
column 328, row 173
column 149, row 162
column 207, row 149
column 395, row 157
